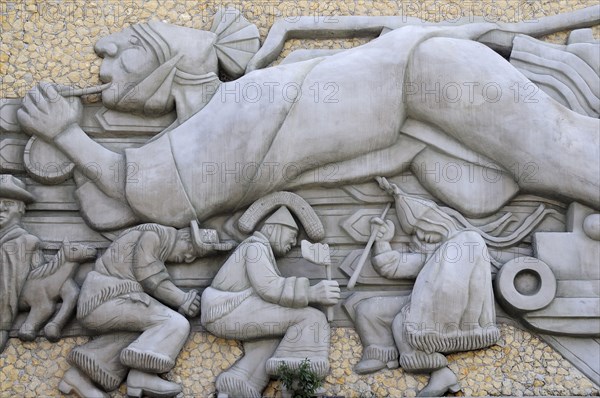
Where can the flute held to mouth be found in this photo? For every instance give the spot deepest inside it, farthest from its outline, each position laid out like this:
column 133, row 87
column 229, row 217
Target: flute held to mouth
column 67, row 91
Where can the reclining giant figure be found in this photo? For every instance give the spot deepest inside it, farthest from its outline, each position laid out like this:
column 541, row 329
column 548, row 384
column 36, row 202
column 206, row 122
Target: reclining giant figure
column 231, row 146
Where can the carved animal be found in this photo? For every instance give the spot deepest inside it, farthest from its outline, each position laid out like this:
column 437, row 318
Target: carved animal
column 47, row 284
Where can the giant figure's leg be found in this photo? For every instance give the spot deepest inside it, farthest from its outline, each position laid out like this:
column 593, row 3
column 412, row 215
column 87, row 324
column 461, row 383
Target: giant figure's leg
column 477, row 97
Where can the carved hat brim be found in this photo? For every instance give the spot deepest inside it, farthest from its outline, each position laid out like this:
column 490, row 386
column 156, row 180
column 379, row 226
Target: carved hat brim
column 13, row 188
column 206, row 240
column 293, row 202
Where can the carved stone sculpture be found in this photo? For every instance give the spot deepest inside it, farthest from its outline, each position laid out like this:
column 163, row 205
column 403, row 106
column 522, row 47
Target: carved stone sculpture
column 557, row 290
column 451, row 307
column 172, row 144
column 47, row 284
column 126, row 298
column 365, row 134
column 29, row 283
column 19, row 250
column 567, row 73
column 249, row 300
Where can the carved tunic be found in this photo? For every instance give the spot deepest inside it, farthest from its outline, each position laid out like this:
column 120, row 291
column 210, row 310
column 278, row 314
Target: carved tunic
column 134, row 263
column 19, row 253
column 252, row 270
column 452, row 305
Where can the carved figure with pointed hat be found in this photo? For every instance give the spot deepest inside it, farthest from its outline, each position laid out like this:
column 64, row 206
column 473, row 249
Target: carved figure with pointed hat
column 451, row 307
column 250, row 300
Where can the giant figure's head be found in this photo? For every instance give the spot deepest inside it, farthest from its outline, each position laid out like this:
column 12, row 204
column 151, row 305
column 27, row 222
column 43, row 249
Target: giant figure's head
column 145, row 61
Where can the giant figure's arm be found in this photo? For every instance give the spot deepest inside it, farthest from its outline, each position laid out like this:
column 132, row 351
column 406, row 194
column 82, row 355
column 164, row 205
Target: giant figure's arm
column 103, row 166
column 55, row 119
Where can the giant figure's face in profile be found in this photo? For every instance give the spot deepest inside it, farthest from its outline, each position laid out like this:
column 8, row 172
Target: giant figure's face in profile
column 127, row 60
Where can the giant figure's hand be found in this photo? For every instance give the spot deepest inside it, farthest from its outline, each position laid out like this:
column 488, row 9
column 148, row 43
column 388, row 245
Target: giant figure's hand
column 384, row 229
column 191, row 304
column 325, row 292
column 45, row 113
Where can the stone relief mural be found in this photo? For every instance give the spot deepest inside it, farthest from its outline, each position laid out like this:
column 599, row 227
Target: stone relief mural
column 426, row 216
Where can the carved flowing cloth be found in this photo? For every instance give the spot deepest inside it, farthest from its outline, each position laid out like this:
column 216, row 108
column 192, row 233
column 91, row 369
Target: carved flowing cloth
column 450, row 309
column 258, row 133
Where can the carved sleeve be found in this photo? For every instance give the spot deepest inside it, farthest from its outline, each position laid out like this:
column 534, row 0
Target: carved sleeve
column 272, row 287
column 395, row 265
column 148, row 268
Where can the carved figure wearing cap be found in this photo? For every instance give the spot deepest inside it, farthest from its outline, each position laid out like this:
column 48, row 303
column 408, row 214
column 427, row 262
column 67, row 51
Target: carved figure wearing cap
column 19, row 250
column 451, row 307
column 130, row 296
column 250, row 300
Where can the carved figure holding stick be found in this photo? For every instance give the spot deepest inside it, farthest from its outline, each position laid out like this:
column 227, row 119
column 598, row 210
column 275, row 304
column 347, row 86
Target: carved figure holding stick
column 451, row 307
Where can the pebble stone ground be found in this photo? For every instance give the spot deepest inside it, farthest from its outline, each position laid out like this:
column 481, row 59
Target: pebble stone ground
column 519, row 365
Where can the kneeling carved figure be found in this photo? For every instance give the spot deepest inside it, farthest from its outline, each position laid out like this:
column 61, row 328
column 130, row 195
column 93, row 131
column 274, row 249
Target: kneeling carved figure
column 451, row 307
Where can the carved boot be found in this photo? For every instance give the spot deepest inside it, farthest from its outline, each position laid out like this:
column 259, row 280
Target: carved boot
column 76, row 381
column 376, row 358
column 148, row 384
column 233, row 383
column 441, row 380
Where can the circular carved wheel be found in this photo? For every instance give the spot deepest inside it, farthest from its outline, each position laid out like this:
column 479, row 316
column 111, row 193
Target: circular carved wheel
column 525, row 284
column 45, row 163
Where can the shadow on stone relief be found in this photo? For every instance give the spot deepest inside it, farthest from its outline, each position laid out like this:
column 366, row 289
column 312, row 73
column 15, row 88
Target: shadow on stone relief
column 422, row 188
